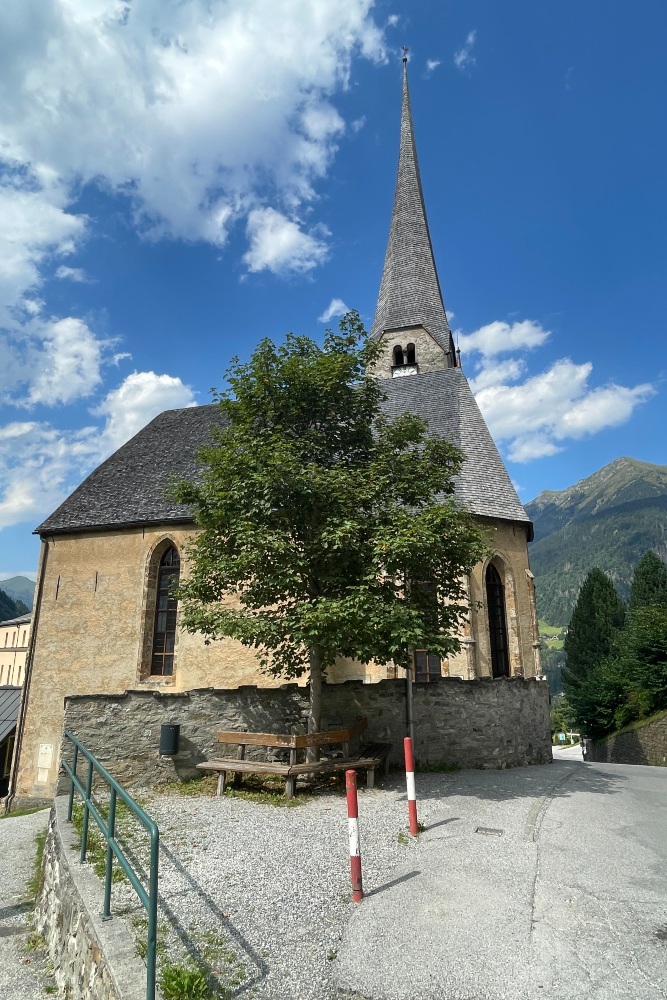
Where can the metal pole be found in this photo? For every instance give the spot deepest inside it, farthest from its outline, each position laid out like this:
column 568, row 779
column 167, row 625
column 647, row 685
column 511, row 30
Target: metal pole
column 410, row 781
column 353, row 830
column 151, row 951
column 70, row 806
column 84, row 832
column 111, row 832
column 408, row 703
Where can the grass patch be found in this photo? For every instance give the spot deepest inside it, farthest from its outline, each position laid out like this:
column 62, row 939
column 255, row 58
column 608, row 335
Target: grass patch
column 36, row 881
column 183, row 982
column 546, row 629
column 22, row 812
column 637, row 724
column 437, row 768
column 403, row 837
column 35, row 942
column 96, row 847
column 205, row 785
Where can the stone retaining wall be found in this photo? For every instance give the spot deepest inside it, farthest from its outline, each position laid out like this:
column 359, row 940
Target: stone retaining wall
column 92, row 959
column 484, row 723
column 645, row 745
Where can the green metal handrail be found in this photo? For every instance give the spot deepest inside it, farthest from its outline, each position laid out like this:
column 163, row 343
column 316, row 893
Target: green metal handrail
column 149, row 899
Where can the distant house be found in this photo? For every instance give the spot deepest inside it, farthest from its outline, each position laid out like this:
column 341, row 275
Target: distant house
column 10, row 701
column 14, row 640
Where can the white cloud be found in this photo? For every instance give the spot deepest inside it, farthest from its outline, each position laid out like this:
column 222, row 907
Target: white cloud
column 358, row 124
column 393, row 20
column 463, row 57
column 277, row 244
column 40, row 464
column 139, row 398
column 500, row 338
column 534, row 418
column 432, row 65
column 76, row 274
column 68, row 365
column 335, row 308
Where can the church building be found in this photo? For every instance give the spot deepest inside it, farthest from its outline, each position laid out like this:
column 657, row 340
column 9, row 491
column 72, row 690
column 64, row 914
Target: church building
column 105, row 621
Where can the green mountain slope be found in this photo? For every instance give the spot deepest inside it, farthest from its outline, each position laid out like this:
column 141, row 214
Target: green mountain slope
column 8, row 608
column 607, row 520
column 19, row 588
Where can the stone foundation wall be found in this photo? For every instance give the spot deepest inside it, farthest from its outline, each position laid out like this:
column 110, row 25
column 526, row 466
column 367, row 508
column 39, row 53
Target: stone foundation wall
column 486, row 723
column 646, row 745
column 92, row 959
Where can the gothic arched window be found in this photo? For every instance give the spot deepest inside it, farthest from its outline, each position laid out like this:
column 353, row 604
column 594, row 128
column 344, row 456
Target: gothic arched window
column 398, row 356
column 412, row 359
column 164, row 631
column 495, row 602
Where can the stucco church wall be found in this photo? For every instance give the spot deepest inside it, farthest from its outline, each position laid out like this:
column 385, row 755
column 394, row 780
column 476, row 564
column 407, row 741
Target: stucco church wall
column 495, row 723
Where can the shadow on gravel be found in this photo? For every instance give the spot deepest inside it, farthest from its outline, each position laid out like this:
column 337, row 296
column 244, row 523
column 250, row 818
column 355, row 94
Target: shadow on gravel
column 394, row 882
column 261, row 967
column 559, row 779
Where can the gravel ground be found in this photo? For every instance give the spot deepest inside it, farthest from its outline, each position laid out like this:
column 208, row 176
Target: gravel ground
column 258, row 895
column 20, row 973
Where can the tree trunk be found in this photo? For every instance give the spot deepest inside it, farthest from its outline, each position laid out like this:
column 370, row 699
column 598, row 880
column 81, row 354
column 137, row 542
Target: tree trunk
column 315, row 707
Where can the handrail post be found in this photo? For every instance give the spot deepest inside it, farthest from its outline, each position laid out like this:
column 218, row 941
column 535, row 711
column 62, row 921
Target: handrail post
column 86, row 806
column 75, row 759
column 111, row 833
column 151, row 952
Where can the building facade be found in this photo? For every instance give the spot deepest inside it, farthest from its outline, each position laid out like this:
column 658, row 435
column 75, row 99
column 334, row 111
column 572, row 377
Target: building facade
column 14, row 642
column 105, row 620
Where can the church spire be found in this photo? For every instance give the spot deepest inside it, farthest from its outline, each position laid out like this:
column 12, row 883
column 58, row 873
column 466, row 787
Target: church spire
column 410, row 293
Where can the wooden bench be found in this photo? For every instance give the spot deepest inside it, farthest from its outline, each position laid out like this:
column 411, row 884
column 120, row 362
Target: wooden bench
column 369, row 757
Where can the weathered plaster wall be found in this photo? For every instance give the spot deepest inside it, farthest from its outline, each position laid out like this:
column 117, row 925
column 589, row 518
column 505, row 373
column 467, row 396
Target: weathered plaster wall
column 494, row 723
column 429, row 356
column 92, row 959
column 93, row 621
column 644, row 745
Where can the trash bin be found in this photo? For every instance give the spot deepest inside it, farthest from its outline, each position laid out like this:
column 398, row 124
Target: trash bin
column 169, row 734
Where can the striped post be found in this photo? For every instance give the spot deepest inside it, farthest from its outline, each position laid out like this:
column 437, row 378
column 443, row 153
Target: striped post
column 353, row 829
column 410, row 780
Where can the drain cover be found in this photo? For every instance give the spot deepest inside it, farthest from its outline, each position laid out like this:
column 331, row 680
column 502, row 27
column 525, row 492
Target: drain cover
column 489, row 831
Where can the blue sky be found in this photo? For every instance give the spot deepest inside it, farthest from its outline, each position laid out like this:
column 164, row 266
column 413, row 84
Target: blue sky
column 178, row 180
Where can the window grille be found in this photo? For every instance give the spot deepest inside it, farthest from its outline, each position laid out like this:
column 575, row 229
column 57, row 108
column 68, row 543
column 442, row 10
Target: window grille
column 164, row 633
column 495, row 599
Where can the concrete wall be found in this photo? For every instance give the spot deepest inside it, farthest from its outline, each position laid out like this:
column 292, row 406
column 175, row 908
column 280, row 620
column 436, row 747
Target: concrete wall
column 92, row 959
column 645, row 745
column 494, row 723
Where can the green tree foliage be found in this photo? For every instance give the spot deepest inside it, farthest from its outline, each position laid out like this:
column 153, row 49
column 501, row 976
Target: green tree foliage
column 649, row 582
column 316, row 513
column 597, row 616
column 562, row 715
column 10, row 609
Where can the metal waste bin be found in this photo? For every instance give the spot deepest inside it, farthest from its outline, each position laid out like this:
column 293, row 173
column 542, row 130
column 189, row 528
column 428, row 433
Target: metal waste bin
column 169, row 734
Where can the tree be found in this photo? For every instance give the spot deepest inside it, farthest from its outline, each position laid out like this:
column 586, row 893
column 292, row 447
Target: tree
column 596, row 619
column 649, row 582
column 318, row 516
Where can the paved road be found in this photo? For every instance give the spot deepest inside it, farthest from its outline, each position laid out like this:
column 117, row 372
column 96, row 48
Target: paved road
column 567, row 898
column 18, row 978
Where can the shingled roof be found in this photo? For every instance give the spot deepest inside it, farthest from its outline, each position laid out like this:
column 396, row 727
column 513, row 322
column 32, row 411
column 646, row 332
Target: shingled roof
column 445, row 401
column 129, row 489
column 10, row 700
column 410, row 290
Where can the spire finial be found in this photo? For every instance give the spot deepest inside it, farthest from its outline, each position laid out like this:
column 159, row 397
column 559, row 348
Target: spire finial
column 405, row 51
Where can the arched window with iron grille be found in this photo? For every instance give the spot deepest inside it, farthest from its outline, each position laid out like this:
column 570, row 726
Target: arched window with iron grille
column 398, row 356
column 495, row 602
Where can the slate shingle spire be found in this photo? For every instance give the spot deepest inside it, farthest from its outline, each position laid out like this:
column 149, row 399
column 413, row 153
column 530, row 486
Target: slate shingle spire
column 410, row 291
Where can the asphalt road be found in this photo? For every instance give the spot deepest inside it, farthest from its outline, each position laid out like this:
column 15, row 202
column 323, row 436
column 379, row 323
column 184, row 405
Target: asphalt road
column 536, row 882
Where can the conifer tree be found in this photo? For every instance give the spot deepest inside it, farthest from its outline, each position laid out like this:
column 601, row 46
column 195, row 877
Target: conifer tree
column 317, row 514
column 597, row 617
column 649, row 583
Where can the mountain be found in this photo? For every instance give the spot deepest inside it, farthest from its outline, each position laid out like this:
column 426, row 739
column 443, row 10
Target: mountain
column 20, row 588
column 608, row 520
column 8, row 608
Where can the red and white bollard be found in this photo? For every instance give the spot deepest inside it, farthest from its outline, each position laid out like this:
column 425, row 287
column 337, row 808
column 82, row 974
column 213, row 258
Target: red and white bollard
column 410, row 780
column 353, row 828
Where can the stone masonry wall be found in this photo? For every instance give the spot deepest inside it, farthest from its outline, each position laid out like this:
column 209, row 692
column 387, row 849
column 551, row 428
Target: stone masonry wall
column 646, row 745
column 92, row 959
column 488, row 723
